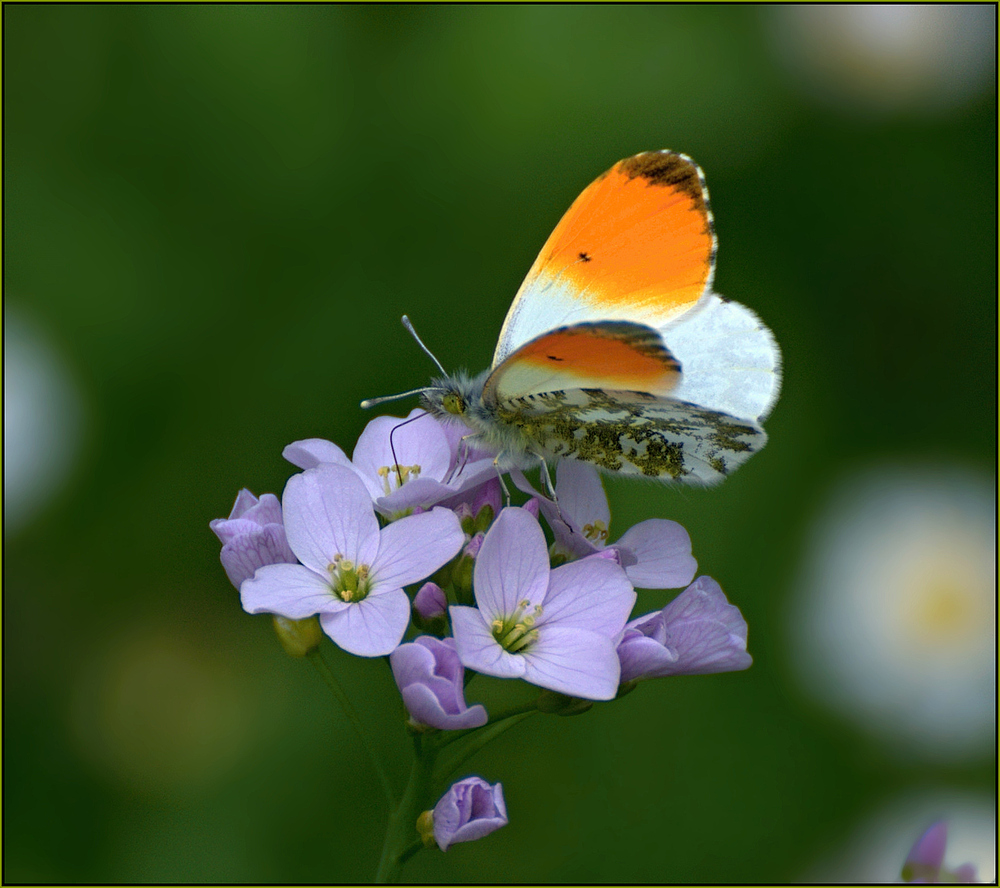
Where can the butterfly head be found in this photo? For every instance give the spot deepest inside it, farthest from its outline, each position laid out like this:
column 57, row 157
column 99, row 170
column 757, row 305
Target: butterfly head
column 453, row 403
column 458, row 398
column 453, row 397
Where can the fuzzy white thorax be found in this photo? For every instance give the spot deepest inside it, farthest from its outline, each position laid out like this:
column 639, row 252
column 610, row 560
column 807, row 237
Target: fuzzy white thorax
column 513, row 449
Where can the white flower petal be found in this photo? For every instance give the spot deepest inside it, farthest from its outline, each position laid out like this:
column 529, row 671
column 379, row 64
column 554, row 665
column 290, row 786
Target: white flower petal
column 512, row 565
column 372, row 627
column 421, row 443
column 478, row 649
column 592, row 594
column 575, row 662
column 289, row 590
column 895, row 618
column 412, row 548
column 312, row 452
column 581, row 494
column 328, row 512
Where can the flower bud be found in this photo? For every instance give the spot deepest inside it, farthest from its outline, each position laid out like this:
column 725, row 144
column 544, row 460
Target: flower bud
column 431, row 680
column 469, row 810
column 698, row 633
column 462, row 572
column 430, row 601
column 486, row 505
column 466, row 518
column 298, row 637
column 472, row 547
column 442, row 576
column 252, row 536
column 484, row 518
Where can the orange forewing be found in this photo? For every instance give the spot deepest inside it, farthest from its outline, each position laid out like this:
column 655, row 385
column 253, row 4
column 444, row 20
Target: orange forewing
column 640, row 235
column 607, row 355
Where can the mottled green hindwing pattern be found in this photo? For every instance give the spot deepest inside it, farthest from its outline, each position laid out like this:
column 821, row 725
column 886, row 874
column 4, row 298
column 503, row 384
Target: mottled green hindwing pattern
column 633, row 433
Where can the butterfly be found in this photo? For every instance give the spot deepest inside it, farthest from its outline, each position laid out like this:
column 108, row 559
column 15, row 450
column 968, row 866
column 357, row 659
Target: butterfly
column 616, row 351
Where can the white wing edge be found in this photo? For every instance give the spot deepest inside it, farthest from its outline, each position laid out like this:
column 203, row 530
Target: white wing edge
column 729, row 359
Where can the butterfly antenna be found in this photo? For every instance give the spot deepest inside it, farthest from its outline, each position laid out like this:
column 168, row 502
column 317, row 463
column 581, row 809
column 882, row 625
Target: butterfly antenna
column 368, row 403
column 420, row 342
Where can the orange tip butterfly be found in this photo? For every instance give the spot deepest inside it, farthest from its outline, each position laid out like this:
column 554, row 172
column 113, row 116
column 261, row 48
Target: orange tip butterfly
column 616, row 351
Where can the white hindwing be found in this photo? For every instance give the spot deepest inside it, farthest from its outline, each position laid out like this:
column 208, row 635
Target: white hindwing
column 729, row 360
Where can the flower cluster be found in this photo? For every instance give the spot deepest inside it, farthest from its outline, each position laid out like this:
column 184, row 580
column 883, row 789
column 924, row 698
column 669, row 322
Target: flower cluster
column 411, row 531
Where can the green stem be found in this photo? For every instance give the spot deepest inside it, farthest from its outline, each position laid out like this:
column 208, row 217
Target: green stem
column 326, row 673
column 453, row 736
column 399, row 845
column 409, row 852
column 514, row 710
column 486, row 734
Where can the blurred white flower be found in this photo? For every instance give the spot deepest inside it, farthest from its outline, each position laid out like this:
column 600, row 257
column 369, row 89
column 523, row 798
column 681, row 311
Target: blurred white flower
column 876, row 848
column 875, row 57
column 41, row 420
column 893, row 622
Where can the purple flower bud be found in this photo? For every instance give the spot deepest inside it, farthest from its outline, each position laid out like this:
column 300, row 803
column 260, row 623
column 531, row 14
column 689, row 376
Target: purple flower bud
column 463, row 568
column 487, row 495
column 469, row 810
column 430, row 602
column 472, row 548
column 253, row 535
column 465, row 517
column 925, row 862
column 477, row 506
column 431, row 680
column 698, row 633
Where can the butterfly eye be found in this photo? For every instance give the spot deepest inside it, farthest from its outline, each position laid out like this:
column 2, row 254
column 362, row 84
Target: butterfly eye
column 453, row 403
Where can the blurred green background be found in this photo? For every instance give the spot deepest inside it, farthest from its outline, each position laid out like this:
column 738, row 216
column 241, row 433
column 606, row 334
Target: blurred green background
column 214, row 217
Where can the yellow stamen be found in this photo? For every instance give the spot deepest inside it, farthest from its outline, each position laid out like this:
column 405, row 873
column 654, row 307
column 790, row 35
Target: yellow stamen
column 596, row 532
column 401, row 473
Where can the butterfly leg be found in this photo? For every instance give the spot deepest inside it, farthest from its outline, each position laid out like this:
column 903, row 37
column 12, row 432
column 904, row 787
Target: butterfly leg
column 464, row 457
column 503, row 486
column 549, row 486
column 547, row 479
column 463, row 460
